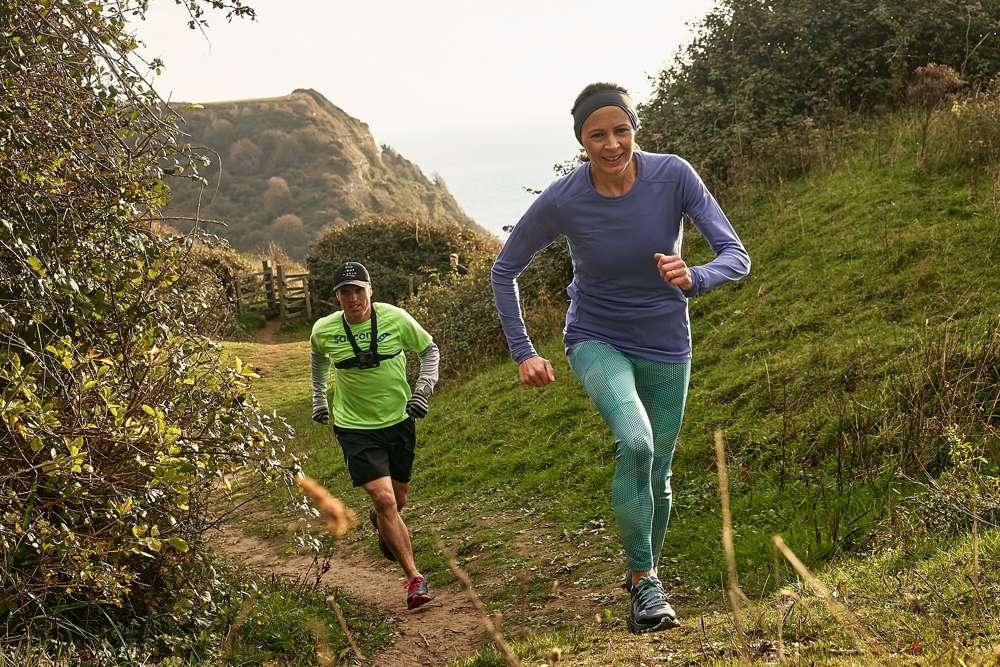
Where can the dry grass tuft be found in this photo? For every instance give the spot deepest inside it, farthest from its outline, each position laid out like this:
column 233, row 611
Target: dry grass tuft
column 508, row 655
column 339, row 517
column 734, row 592
column 859, row 633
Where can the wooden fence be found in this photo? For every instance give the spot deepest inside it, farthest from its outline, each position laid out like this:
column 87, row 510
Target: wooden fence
column 274, row 293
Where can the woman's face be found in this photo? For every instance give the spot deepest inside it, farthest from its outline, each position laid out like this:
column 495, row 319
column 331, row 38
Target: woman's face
column 607, row 138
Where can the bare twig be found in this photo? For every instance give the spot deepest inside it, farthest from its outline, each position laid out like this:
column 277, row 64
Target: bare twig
column 859, row 633
column 782, row 615
column 502, row 646
column 241, row 618
column 189, row 218
column 733, row 591
column 332, row 601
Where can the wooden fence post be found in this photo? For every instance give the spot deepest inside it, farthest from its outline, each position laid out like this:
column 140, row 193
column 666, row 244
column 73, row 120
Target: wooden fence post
column 308, row 298
column 282, row 298
column 272, row 305
column 241, row 308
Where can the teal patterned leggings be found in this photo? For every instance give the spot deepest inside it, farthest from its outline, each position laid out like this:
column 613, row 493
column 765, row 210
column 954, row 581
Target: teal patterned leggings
column 643, row 403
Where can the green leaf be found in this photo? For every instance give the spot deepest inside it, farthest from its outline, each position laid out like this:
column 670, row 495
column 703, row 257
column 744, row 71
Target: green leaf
column 178, row 544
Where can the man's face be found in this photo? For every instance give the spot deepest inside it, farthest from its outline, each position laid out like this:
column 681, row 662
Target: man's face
column 356, row 302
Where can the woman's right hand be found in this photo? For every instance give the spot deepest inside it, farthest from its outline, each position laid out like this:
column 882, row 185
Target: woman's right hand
column 536, row 372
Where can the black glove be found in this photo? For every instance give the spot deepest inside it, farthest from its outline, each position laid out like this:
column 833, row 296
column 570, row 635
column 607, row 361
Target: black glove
column 416, row 407
column 321, row 415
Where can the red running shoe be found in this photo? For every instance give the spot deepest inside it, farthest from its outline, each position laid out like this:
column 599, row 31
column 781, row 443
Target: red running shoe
column 417, row 592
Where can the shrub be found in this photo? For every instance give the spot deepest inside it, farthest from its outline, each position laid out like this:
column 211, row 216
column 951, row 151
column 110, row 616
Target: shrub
column 968, row 132
column 756, row 70
column 398, row 252
column 459, row 310
column 119, row 421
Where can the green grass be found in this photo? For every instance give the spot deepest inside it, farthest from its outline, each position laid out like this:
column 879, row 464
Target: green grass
column 290, row 624
column 867, row 276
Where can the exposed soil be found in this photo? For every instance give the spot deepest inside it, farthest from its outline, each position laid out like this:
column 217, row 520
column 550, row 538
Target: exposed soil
column 444, row 629
column 447, row 628
column 266, row 333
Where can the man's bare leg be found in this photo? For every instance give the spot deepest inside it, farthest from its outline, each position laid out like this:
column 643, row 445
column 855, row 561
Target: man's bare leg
column 389, row 497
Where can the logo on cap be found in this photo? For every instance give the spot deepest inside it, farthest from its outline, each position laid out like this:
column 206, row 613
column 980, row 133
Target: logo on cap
column 350, row 273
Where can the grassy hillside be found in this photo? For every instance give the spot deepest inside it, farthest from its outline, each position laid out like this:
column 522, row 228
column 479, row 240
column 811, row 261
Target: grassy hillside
column 283, row 169
column 854, row 374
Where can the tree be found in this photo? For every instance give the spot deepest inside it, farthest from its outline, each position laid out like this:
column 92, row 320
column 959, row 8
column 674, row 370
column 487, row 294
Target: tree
column 290, row 233
column 245, row 156
column 118, row 421
column 277, row 195
column 760, row 76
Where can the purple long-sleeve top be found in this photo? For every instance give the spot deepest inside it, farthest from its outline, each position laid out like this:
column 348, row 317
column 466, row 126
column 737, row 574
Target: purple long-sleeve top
column 617, row 295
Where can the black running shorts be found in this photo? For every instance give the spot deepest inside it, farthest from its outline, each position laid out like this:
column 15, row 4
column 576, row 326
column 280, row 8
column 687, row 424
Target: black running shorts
column 379, row 452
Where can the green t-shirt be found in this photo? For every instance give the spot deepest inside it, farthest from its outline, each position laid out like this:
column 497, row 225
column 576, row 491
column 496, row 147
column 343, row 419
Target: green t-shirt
column 371, row 397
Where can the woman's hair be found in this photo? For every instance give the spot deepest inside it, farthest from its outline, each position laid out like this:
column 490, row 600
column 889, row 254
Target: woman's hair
column 593, row 88
column 598, row 95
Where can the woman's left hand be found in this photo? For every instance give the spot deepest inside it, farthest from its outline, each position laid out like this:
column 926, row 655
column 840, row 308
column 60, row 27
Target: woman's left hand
column 673, row 270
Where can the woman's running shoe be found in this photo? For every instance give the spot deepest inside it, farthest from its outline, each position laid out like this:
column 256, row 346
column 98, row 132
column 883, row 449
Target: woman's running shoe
column 649, row 610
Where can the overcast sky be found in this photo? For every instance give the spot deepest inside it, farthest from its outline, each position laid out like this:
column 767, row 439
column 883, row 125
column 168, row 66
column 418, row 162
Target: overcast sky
column 417, row 71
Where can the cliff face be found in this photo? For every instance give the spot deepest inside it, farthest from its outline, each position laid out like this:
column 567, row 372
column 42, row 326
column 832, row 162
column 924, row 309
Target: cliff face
column 284, row 169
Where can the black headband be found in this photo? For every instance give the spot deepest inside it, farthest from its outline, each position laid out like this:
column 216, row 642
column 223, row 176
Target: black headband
column 603, row 98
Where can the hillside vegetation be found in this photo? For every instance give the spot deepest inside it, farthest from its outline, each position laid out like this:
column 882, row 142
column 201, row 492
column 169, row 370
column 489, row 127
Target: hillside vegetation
column 284, row 169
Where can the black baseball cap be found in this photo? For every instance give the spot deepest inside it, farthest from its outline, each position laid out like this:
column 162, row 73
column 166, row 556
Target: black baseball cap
column 351, row 273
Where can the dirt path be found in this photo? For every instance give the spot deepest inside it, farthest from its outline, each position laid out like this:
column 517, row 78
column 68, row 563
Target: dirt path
column 266, row 333
column 444, row 629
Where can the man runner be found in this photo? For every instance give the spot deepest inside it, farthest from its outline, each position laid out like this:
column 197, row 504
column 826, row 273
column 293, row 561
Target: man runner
column 373, row 407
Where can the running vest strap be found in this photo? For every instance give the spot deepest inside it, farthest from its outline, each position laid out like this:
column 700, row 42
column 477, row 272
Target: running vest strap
column 362, row 360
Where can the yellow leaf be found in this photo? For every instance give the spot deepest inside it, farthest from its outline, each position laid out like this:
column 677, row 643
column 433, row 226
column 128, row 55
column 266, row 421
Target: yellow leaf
column 124, row 507
column 178, row 544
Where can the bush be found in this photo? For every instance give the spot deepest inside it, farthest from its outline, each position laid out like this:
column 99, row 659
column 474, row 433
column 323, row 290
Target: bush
column 968, row 134
column 757, row 70
column 119, row 421
column 459, row 310
column 399, row 253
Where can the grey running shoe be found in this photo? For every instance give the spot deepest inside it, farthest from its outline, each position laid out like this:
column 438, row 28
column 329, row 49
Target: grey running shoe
column 649, row 610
